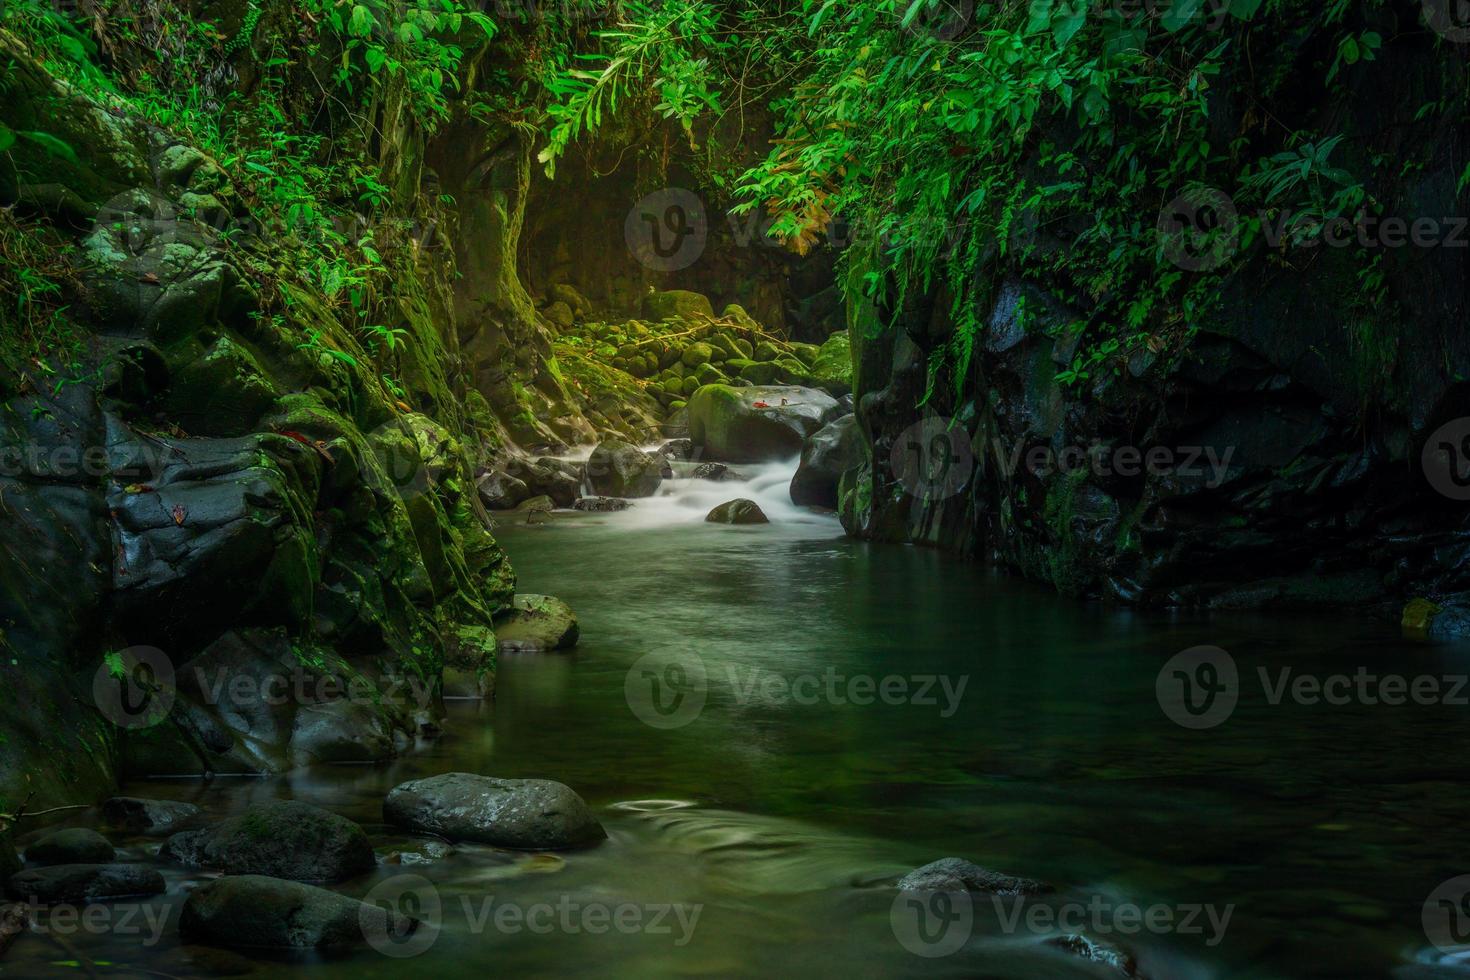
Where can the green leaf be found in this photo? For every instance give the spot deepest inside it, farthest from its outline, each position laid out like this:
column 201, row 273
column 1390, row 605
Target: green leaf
column 1067, row 21
column 7, row 137
column 1244, row 9
column 1180, row 14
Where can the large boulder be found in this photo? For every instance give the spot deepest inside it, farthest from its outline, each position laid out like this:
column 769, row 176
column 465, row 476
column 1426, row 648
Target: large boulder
column 536, row 624
column 954, row 874
column 284, row 839
column 254, row 911
column 740, row 511
column 830, row 452
column 620, row 469
column 756, row 424
column 75, row 845
column 523, row 814
column 676, row 304
column 76, row 884
column 501, row 490
column 150, row 817
column 558, row 479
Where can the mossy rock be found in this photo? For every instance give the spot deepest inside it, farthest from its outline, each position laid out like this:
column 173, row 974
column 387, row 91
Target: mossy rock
column 708, row 374
column 674, row 386
column 690, row 385
column 736, row 312
column 805, row 353
column 759, row 372
column 223, row 393
column 677, row 304
column 697, row 354
column 725, row 347
column 767, row 351
column 832, row 368
column 757, row 424
column 537, row 624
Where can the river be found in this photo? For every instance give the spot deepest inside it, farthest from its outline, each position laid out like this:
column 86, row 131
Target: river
column 775, row 722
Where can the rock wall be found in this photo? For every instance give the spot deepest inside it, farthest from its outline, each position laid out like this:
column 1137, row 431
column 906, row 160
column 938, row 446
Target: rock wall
column 213, row 487
column 1299, row 455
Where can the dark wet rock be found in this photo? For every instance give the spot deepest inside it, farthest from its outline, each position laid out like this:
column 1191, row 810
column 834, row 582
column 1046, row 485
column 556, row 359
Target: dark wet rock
column 717, row 472
column 1098, row 951
column 522, row 814
column 756, row 424
column 256, row 911
column 740, row 511
column 559, row 479
column 956, row 874
column 284, row 839
column 499, row 490
column 621, row 469
column 602, row 504
column 74, row 884
column 152, row 817
column 678, row 449
column 536, row 624
column 830, row 452
column 75, row 845
column 337, row 717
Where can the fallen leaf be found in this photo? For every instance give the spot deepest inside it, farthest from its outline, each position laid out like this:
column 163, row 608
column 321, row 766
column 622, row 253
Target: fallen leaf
column 179, row 514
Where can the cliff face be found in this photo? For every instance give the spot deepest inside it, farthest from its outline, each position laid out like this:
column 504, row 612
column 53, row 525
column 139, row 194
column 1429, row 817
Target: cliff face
column 208, row 474
column 1287, row 453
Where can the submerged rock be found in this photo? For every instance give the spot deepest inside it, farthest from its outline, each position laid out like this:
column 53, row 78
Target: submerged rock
column 756, row 424
column 953, row 874
column 75, row 845
column 151, row 817
column 523, row 814
column 257, row 911
column 740, row 511
column 830, row 452
column 1097, row 951
column 284, row 839
column 621, row 469
column 75, row 884
column 602, row 504
column 536, row 624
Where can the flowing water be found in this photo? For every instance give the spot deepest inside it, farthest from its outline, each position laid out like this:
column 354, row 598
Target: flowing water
column 761, row 798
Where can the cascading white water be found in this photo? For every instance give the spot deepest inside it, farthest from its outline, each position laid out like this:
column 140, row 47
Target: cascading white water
column 684, row 499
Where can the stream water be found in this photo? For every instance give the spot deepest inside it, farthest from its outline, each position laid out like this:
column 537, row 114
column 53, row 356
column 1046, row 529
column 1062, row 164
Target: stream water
column 780, row 798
